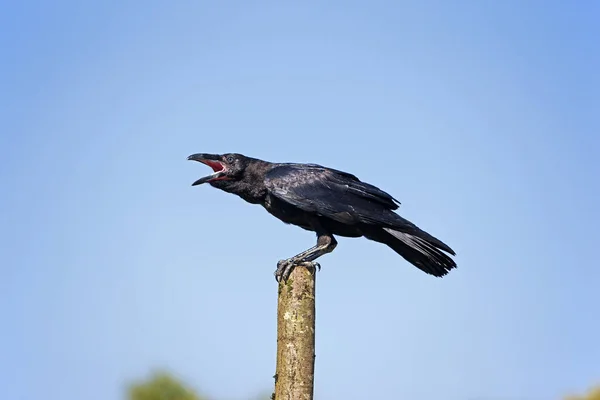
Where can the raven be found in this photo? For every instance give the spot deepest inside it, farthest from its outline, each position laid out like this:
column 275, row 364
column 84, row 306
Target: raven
column 326, row 201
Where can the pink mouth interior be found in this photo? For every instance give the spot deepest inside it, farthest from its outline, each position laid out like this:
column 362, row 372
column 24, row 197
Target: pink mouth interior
column 216, row 166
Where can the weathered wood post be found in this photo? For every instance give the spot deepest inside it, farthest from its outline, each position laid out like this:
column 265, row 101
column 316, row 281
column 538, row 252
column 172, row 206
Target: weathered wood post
column 294, row 374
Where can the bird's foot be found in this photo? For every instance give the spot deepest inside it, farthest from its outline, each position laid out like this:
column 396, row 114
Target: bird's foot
column 285, row 268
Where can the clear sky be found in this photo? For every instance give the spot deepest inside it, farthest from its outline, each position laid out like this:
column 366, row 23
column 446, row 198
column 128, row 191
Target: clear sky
column 481, row 117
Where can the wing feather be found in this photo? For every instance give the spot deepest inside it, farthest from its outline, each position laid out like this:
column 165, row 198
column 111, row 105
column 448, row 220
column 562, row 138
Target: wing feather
column 328, row 192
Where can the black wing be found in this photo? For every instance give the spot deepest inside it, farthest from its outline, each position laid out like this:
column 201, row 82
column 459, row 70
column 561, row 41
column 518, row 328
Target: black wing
column 355, row 186
column 328, row 192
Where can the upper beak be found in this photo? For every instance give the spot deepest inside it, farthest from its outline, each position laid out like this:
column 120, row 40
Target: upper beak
column 210, row 160
column 203, row 156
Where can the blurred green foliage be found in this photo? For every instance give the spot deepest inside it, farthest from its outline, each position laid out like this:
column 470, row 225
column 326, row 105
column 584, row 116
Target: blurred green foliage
column 161, row 386
column 593, row 394
column 164, row 386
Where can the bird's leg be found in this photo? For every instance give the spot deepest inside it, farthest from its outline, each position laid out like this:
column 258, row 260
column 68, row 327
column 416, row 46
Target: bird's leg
column 325, row 244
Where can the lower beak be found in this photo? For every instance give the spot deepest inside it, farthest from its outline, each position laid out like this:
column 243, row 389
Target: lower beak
column 211, row 177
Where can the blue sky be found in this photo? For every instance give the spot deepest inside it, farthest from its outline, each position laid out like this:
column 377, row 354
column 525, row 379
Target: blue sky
column 480, row 117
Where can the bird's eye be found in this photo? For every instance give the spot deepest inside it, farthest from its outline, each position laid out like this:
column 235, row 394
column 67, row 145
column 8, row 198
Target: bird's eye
column 229, row 159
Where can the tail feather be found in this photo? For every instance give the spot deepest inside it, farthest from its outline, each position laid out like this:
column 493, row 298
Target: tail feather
column 420, row 251
column 392, row 222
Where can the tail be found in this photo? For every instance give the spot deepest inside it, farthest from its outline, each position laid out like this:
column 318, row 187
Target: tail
column 417, row 247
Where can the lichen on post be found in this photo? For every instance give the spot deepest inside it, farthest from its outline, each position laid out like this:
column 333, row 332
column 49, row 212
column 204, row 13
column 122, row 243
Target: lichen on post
column 294, row 377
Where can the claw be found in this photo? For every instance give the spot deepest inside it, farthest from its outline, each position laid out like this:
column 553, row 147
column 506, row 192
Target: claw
column 312, row 266
column 285, row 268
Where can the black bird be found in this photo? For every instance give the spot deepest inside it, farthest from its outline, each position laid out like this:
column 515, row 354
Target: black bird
column 328, row 202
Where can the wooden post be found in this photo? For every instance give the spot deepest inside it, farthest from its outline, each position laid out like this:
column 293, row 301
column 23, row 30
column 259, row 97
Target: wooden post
column 294, row 376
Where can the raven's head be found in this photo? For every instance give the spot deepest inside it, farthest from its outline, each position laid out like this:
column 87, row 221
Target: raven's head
column 226, row 167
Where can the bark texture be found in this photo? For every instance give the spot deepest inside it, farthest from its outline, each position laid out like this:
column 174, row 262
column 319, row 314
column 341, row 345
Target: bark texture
column 294, row 377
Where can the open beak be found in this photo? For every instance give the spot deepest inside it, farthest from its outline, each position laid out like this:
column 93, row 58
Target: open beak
column 212, row 160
